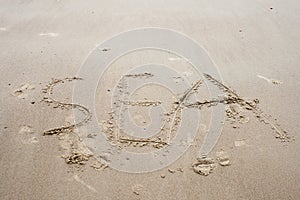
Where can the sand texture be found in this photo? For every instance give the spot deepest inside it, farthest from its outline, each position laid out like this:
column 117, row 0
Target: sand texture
column 50, row 147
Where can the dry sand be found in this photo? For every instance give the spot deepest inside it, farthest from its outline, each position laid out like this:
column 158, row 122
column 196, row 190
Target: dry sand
column 255, row 45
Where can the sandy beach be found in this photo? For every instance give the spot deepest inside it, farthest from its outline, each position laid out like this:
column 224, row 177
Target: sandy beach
column 151, row 124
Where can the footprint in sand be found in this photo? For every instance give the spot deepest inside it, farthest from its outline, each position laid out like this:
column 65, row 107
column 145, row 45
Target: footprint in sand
column 27, row 135
column 49, row 34
column 223, row 158
column 270, row 80
column 3, row 29
column 23, row 90
column 26, row 129
column 240, row 143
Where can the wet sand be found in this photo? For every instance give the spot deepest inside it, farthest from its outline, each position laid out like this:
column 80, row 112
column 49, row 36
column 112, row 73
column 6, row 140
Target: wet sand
column 253, row 44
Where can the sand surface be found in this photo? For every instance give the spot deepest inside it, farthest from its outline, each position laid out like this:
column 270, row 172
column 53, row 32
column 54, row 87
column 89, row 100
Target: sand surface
column 255, row 46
